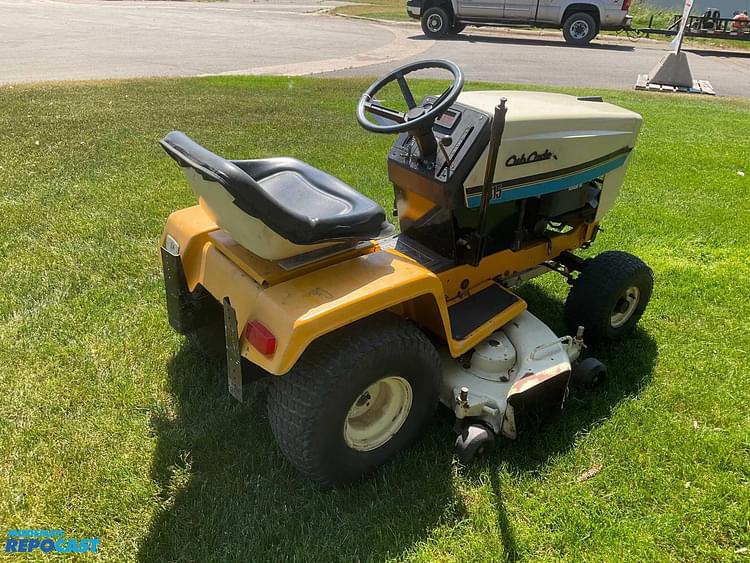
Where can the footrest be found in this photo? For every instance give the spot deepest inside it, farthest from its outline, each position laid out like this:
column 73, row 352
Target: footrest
column 468, row 315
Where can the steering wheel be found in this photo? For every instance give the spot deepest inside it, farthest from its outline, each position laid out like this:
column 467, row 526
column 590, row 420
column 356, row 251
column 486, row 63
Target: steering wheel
column 416, row 118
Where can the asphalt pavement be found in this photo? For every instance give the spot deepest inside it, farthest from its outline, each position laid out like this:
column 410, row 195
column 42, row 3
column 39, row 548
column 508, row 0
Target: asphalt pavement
column 542, row 58
column 43, row 40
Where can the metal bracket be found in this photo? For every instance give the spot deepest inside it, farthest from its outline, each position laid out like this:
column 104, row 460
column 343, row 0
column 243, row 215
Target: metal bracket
column 234, row 361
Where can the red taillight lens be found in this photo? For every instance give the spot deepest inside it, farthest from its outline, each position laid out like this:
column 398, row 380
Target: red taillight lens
column 626, row 5
column 260, row 337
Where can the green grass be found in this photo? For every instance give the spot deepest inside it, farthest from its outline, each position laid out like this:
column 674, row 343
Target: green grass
column 642, row 12
column 380, row 9
column 110, row 426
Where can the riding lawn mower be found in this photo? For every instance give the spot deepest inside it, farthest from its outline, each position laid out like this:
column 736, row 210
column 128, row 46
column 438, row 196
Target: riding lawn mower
column 300, row 281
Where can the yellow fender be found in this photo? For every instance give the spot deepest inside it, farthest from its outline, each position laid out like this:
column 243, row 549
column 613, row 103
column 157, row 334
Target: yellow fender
column 301, row 309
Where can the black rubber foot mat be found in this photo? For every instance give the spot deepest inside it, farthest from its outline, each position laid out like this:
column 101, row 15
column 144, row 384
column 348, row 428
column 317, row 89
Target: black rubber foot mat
column 471, row 313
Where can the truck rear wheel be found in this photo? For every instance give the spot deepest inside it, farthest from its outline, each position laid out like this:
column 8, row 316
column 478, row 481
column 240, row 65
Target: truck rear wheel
column 355, row 399
column 436, row 23
column 580, row 28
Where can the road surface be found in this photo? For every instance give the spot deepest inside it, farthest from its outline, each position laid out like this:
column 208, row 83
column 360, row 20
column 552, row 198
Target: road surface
column 42, row 40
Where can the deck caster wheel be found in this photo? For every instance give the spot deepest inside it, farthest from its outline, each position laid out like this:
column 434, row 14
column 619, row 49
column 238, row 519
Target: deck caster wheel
column 589, row 373
column 474, row 440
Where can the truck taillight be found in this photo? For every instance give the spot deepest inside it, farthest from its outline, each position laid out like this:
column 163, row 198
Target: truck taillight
column 260, row 338
column 626, row 5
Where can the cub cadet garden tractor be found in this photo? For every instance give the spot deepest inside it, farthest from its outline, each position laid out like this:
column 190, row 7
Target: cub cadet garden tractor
column 299, row 279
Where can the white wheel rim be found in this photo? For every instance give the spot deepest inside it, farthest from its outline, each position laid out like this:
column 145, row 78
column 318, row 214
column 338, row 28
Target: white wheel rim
column 625, row 306
column 434, row 22
column 579, row 29
column 378, row 413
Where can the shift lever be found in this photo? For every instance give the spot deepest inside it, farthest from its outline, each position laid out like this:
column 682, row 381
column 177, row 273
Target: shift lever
column 446, row 142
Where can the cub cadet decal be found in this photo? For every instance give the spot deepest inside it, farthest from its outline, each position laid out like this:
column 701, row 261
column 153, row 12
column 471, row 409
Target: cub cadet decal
column 548, row 182
column 534, row 156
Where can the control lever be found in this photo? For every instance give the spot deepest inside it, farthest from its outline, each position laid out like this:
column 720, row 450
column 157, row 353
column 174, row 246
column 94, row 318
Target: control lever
column 442, row 144
column 496, row 137
column 445, row 142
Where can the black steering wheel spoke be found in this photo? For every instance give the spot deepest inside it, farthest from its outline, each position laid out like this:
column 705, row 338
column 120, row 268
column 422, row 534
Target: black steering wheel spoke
column 384, row 112
column 408, row 96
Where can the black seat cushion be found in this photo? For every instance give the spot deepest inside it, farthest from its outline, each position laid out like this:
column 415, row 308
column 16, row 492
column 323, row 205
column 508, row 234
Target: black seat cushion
column 299, row 202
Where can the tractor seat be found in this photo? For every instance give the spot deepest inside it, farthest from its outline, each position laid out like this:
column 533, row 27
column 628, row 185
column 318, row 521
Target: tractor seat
column 300, row 203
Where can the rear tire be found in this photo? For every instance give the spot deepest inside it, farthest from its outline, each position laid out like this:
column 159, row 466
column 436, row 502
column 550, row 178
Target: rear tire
column 609, row 296
column 580, row 28
column 436, row 23
column 355, row 399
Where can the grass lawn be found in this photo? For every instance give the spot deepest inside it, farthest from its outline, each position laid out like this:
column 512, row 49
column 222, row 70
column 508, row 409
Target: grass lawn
column 111, row 427
column 382, row 9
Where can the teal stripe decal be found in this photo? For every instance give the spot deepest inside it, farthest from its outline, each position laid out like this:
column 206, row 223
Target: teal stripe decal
column 549, row 186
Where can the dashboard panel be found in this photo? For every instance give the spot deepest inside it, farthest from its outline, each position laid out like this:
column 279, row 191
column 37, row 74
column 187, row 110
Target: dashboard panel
column 438, row 178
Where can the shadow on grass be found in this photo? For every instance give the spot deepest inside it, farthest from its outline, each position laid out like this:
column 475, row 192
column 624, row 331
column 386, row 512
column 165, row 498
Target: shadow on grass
column 630, row 364
column 226, row 493
column 468, row 37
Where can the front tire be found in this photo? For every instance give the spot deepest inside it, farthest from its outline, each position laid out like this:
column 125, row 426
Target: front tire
column 609, row 296
column 580, row 28
column 355, row 399
column 436, row 23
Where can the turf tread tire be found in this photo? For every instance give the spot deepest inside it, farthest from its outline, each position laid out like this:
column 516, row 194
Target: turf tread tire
column 597, row 289
column 302, row 405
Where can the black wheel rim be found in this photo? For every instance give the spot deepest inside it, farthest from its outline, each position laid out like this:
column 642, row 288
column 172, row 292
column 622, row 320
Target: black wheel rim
column 434, row 23
column 579, row 29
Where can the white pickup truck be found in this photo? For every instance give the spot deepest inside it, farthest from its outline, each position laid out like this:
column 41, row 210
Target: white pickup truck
column 580, row 21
